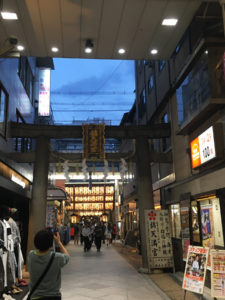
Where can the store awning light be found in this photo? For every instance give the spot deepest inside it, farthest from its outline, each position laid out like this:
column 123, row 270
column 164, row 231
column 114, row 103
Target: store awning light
column 169, row 22
column 9, row 15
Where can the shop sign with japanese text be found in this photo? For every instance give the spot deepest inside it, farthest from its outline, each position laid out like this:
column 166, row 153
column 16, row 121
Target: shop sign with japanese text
column 159, row 245
column 203, row 148
column 195, row 270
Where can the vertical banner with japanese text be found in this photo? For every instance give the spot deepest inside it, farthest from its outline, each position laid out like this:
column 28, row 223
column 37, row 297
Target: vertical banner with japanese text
column 159, row 245
column 93, row 141
column 218, row 274
column 195, row 270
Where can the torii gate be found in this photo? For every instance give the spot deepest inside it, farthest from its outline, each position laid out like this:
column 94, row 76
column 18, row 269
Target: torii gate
column 41, row 159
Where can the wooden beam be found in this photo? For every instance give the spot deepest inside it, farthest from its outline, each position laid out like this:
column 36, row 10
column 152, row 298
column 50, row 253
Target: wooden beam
column 59, row 132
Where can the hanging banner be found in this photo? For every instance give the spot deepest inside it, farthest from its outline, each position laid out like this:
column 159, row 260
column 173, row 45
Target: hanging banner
column 195, row 270
column 159, row 245
column 185, row 226
column 218, row 274
column 44, row 92
column 93, row 141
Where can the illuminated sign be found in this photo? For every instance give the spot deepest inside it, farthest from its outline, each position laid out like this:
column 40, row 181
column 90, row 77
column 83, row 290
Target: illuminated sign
column 203, row 148
column 44, row 92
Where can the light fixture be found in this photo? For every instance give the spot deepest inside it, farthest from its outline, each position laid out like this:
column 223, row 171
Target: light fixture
column 206, row 51
column 6, row 15
column 55, row 49
column 20, row 47
column 121, row 51
column 89, row 46
column 154, row 51
column 169, row 22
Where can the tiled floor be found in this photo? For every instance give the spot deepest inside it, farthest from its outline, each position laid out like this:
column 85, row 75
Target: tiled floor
column 104, row 275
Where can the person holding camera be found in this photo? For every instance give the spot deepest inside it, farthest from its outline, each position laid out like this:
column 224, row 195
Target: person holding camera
column 45, row 266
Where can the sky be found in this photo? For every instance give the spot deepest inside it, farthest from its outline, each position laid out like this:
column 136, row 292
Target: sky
column 84, row 89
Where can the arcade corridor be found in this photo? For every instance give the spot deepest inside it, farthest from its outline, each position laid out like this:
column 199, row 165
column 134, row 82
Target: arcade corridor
column 104, row 275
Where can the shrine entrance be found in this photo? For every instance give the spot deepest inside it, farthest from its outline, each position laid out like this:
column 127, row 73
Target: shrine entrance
column 140, row 155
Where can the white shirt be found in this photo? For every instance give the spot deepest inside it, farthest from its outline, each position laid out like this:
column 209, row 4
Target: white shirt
column 86, row 231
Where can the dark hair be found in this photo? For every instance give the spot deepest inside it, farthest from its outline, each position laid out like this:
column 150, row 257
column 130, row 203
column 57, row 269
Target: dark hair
column 43, row 240
column 4, row 212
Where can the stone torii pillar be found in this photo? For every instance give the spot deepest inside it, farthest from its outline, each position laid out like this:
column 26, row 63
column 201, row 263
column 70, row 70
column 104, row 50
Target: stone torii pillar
column 144, row 192
column 37, row 218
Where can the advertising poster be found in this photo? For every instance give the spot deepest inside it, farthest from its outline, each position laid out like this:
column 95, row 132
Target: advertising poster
column 207, row 228
column 195, row 270
column 159, row 245
column 185, row 230
column 218, row 274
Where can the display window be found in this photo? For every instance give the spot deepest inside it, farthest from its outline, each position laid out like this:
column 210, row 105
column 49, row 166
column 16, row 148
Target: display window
column 206, row 223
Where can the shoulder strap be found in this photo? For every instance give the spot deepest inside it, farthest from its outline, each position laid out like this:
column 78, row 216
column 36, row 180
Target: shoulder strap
column 42, row 275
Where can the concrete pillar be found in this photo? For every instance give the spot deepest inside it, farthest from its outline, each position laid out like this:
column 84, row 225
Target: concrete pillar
column 144, row 191
column 37, row 217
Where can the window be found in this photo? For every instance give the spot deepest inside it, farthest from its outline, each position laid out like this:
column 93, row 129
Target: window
column 26, row 76
column 142, row 103
column 194, row 91
column 3, row 110
column 150, row 83
column 162, row 63
column 165, row 141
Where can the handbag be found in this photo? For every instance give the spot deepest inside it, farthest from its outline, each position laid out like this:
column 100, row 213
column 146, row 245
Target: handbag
column 42, row 276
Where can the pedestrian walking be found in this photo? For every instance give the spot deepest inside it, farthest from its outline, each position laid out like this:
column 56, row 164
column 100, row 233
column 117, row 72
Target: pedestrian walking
column 98, row 236
column 76, row 234
column 86, row 233
column 108, row 234
column 45, row 267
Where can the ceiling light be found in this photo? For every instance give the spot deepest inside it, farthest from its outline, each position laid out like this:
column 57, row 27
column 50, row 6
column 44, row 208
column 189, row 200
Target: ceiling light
column 206, row 51
column 55, row 49
column 9, row 15
column 20, row 47
column 88, row 46
column 121, row 51
column 169, row 22
column 154, row 51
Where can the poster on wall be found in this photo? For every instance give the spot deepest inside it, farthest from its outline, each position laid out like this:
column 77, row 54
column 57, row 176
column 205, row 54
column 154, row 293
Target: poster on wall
column 195, row 269
column 207, row 228
column 218, row 274
column 159, row 245
column 185, row 227
column 50, row 216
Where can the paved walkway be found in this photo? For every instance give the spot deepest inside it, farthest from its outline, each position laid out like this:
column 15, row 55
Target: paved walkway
column 105, row 275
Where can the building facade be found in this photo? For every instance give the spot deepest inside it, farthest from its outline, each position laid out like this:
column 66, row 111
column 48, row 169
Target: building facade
column 188, row 91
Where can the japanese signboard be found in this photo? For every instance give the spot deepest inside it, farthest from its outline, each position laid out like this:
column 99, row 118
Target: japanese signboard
column 218, row 274
column 93, row 141
column 195, row 270
column 203, row 148
column 159, row 245
column 44, row 92
column 50, row 216
column 185, row 226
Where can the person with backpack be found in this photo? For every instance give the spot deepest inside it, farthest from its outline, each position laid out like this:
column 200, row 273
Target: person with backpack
column 98, row 236
column 45, row 267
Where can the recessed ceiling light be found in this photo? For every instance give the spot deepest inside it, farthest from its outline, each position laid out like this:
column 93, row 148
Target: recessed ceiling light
column 55, row 49
column 154, row 51
column 9, row 15
column 121, row 51
column 89, row 46
column 206, row 51
column 20, row 47
column 169, row 22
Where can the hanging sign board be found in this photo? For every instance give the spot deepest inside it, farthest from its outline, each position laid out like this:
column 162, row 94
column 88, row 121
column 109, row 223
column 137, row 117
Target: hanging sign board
column 159, row 245
column 203, row 148
column 93, row 141
column 218, row 274
column 195, row 270
column 44, row 92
